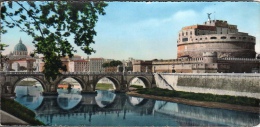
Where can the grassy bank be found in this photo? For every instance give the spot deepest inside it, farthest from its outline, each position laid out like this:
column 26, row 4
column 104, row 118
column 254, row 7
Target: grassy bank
column 104, row 86
column 19, row 111
column 136, row 86
column 201, row 96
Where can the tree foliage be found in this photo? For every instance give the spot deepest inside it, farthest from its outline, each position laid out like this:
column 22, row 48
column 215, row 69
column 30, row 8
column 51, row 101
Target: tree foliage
column 51, row 25
column 113, row 63
column 2, row 48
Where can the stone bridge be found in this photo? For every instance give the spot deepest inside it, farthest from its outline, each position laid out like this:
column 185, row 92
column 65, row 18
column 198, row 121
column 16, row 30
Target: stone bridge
column 88, row 81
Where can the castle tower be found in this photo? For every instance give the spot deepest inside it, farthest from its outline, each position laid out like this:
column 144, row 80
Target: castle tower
column 210, row 57
column 215, row 36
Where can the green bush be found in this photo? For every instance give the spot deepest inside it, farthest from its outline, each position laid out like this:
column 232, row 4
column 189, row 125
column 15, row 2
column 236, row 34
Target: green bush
column 201, row 96
column 19, row 111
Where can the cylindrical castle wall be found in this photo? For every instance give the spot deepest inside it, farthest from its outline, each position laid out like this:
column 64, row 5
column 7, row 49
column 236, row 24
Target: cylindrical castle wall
column 240, row 47
column 225, row 49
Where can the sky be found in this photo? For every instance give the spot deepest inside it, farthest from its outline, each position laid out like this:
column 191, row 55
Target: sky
column 149, row 30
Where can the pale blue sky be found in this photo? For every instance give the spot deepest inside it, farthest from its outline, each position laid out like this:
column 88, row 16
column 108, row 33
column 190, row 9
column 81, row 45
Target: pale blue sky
column 149, row 30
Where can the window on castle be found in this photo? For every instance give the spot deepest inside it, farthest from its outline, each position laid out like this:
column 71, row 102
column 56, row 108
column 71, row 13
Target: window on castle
column 213, row 37
column 223, row 37
column 184, row 39
column 244, row 38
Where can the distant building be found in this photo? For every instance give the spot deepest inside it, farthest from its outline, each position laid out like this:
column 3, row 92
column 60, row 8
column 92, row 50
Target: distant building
column 128, row 64
column 95, row 65
column 19, row 60
column 110, row 69
column 80, row 65
column 142, row 66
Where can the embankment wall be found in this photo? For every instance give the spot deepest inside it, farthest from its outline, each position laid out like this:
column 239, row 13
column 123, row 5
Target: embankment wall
column 234, row 84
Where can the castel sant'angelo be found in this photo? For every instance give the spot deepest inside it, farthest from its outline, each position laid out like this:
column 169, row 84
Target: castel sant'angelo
column 214, row 47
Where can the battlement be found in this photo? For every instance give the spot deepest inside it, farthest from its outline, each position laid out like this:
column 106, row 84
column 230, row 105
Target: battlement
column 240, row 59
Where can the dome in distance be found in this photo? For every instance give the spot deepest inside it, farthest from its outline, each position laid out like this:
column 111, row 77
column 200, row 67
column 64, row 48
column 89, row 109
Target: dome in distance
column 20, row 46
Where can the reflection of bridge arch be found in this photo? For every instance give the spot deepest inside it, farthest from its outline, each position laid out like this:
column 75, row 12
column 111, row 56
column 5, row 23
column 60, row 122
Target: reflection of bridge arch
column 43, row 84
column 68, row 101
column 79, row 80
column 144, row 79
column 50, row 106
column 105, row 99
column 111, row 78
column 33, row 102
column 146, row 105
column 141, row 103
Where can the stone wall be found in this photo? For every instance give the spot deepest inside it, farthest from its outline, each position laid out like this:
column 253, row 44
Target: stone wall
column 235, row 84
column 237, row 49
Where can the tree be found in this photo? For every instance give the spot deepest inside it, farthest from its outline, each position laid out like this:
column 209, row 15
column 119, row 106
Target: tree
column 2, row 46
column 113, row 63
column 105, row 65
column 50, row 24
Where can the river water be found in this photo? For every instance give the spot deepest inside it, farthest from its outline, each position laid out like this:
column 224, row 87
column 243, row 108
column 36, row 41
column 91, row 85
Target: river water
column 107, row 108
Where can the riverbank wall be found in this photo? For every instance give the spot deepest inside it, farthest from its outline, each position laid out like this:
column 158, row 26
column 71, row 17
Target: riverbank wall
column 234, row 84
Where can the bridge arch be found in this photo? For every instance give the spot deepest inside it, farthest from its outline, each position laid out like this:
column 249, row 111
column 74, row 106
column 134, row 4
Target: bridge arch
column 43, row 83
column 78, row 79
column 145, row 80
column 114, row 80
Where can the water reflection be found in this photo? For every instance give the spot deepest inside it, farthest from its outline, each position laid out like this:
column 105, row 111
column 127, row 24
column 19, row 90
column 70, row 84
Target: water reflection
column 29, row 96
column 104, row 98
column 68, row 101
column 135, row 100
column 111, row 109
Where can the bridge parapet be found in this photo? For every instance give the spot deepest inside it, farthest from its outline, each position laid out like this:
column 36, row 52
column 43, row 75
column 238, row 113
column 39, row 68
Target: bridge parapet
column 21, row 73
column 107, row 73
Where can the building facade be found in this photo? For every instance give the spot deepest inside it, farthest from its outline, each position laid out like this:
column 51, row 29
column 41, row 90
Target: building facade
column 142, row 65
column 95, row 65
